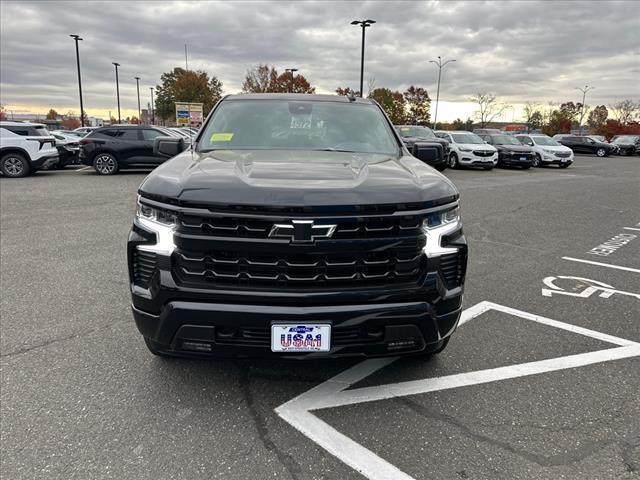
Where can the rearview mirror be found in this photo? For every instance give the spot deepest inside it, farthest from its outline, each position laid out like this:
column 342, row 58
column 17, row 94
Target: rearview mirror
column 168, row 146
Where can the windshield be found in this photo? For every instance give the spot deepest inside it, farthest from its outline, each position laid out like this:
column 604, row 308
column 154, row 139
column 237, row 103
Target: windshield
column 466, row 138
column 505, row 140
column 546, row 141
column 298, row 125
column 421, row 132
column 42, row 131
column 625, row 139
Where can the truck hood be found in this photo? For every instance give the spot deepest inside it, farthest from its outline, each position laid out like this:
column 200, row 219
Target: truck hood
column 296, row 178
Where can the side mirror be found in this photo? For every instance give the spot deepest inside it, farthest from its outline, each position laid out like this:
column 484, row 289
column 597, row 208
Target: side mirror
column 427, row 152
column 168, row 146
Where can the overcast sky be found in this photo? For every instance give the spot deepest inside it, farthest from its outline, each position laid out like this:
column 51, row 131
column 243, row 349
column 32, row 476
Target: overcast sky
column 519, row 50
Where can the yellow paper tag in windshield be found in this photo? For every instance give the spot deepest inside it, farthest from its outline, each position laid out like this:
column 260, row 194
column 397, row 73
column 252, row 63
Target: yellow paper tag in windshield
column 404, row 129
column 221, row 137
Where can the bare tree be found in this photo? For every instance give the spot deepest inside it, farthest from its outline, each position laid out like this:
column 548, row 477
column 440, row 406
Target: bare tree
column 625, row 111
column 371, row 85
column 488, row 108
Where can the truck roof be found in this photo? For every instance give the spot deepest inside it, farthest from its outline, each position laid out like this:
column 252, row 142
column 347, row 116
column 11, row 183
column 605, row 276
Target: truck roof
column 298, row 96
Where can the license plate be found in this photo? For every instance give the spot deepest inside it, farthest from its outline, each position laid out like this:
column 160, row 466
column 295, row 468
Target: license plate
column 523, row 158
column 300, row 338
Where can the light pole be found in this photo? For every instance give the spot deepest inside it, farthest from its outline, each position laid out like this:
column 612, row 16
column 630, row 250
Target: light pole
column 77, row 38
column 440, row 64
column 153, row 117
column 138, row 90
column 584, row 94
column 117, row 90
column 364, row 24
column 292, row 71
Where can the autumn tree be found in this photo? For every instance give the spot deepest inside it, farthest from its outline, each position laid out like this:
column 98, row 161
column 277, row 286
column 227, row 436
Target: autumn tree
column 625, row 111
column 393, row 103
column 52, row 114
column 559, row 122
column 347, row 92
column 70, row 121
column 570, row 110
column 458, row 124
column 266, row 79
column 418, row 103
column 533, row 116
column 489, row 108
column 3, row 114
column 597, row 118
column 180, row 85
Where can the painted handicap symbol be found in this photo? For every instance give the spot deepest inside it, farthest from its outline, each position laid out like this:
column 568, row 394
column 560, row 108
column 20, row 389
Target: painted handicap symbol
column 581, row 287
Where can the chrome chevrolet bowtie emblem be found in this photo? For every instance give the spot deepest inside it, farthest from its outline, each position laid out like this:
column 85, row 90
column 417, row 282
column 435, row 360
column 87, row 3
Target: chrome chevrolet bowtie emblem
column 301, row 231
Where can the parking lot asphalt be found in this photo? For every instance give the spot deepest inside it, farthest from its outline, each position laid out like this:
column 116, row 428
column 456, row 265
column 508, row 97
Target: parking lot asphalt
column 81, row 397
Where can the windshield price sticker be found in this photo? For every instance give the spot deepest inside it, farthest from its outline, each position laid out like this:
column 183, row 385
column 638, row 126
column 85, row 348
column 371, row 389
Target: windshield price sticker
column 221, row 137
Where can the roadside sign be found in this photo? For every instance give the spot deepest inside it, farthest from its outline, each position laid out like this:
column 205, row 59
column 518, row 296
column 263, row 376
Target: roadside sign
column 189, row 113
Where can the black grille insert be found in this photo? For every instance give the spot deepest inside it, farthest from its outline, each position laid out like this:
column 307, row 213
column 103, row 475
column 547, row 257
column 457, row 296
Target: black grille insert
column 144, row 266
column 452, row 269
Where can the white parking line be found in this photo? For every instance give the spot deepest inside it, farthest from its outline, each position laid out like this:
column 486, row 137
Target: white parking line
column 334, row 393
column 591, row 262
column 631, row 228
column 83, row 169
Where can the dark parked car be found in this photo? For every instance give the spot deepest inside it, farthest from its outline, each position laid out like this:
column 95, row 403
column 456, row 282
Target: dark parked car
column 581, row 144
column 511, row 152
column 628, row 144
column 298, row 225
column 108, row 149
column 418, row 139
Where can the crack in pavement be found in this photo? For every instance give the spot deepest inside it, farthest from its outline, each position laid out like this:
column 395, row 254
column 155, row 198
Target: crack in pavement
column 541, row 460
column 284, row 458
column 60, row 339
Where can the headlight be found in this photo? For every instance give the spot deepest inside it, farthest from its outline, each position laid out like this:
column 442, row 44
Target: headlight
column 439, row 219
column 437, row 225
column 161, row 222
column 157, row 215
column 465, row 149
column 549, row 151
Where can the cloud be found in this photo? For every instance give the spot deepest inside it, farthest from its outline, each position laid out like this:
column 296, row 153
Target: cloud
column 519, row 50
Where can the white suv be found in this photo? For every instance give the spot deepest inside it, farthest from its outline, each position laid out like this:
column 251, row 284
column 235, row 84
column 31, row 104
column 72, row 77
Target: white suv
column 25, row 148
column 547, row 151
column 468, row 149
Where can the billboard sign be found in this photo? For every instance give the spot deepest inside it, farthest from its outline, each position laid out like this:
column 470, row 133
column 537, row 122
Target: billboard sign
column 189, row 113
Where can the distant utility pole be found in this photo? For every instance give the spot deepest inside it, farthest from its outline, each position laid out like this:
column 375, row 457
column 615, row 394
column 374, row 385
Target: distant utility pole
column 440, row 65
column 186, row 62
column 364, row 24
column 77, row 38
column 138, row 90
column 153, row 117
column 584, row 94
column 292, row 71
column 117, row 90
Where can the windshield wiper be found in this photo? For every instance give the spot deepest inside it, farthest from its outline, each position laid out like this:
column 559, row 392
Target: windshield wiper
column 330, row 149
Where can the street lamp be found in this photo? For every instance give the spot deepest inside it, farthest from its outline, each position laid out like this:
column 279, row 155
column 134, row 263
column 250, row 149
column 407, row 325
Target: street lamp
column 153, row 117
column 117, row 90
column 77, row 38
column 364, row 24
column 584, row 94
column 440, row 64
column 292, row 71
column 138, row 90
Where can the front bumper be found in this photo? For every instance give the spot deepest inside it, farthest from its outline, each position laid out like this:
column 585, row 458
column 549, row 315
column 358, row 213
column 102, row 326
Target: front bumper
column 369, row 321
column 471, row 160
column 45, row 161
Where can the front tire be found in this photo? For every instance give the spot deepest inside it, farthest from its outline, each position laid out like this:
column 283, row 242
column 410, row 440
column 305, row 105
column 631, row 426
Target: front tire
column 14, row 165
column 601, row 152
column 453, row 161
column 537, row 160
column 105, row 164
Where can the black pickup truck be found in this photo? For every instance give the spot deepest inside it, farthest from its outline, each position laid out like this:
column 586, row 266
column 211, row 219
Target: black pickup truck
column 423, row 143
column 296, row 225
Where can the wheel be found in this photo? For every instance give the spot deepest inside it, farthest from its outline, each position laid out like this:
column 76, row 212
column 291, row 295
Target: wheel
column 526, row 167
column 564, row 165
column 601, row 152
column 105, row 164
column 151, row 345
column 488, row 168
column 14, row 165
column 537, row 160
column 453, row 161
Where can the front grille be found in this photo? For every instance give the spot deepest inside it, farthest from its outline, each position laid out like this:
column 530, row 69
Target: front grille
column 563, row 154
column 452, row 269
column 483, row 153
column 314, row 269
column 261, row 337
column 144, row 267
column 354, row 228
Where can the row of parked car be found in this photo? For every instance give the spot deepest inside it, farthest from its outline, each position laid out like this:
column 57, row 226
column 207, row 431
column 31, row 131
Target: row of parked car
column 28, row 147
column 483, row 148
column 598, row 145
